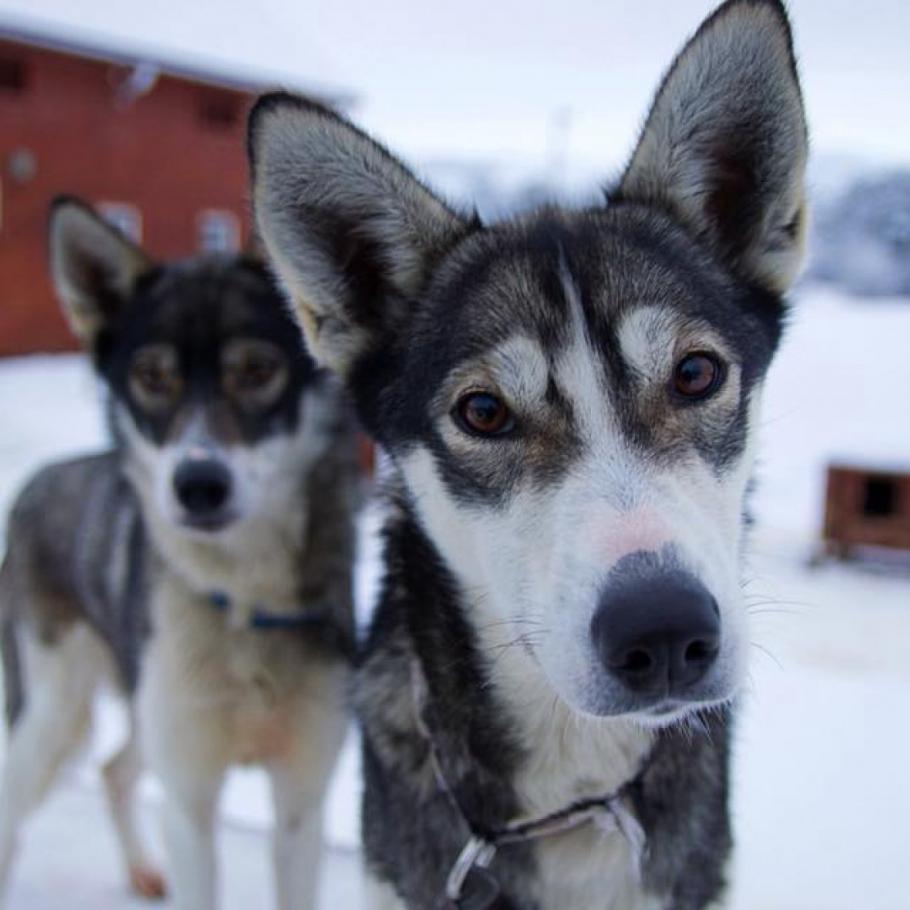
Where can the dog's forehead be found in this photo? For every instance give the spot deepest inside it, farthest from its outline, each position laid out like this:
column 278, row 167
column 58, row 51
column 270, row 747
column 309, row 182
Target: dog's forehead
column 624, row 274
column 211, row 300
column 200, row 304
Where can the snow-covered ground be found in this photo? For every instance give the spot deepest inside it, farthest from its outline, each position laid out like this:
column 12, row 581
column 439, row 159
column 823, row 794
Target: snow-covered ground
column 821, row 754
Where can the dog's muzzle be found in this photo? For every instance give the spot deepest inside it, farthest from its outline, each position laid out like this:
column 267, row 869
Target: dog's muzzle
column 657, row 632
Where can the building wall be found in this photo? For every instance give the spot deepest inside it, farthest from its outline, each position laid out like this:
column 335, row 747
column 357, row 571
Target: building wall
column 172, row 153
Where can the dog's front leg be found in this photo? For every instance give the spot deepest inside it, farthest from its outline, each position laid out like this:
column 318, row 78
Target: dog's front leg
column 297, row 840
column 189, row 835
column 121, row 775
column 183, row 747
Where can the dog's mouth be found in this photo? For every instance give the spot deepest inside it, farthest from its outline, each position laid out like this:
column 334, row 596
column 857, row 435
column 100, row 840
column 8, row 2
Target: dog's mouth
column 669, row 707
column 659, row 712
column 672, row 710
column 662, row 704
column 207, row 525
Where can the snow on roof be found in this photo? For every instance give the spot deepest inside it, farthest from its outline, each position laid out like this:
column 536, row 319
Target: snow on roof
column 94, row 46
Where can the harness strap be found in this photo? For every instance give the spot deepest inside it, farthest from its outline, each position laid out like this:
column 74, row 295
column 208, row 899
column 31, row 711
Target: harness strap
column 609, row 813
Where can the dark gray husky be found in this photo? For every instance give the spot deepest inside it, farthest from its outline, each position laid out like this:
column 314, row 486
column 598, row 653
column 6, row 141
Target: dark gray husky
column 570, row 401
column 223, row 520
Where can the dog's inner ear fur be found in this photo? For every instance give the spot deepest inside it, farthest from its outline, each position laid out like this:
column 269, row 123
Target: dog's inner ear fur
column 94, row 268
column 351, row 232
column 724, row 147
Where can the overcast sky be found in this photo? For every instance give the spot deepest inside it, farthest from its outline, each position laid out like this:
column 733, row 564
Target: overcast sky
column 490, row 78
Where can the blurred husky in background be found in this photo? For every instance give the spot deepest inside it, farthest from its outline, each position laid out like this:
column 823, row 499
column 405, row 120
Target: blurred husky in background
column 202, row 565
column 570, row 401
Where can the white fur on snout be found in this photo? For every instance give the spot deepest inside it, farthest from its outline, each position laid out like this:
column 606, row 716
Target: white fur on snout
column 250, row 556
column 684, row 513
column 640, row 529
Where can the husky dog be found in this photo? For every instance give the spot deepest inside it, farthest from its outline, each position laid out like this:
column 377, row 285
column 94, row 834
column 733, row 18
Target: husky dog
column 203, row 565
column 570, row 401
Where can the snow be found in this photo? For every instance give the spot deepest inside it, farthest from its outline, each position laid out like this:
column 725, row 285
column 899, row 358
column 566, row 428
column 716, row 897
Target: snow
column 820, row 761
column 70, row 851
column 837, row 391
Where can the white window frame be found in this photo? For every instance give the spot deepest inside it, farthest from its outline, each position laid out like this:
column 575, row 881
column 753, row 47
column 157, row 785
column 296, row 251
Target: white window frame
column 223, row 221
column 123, row 216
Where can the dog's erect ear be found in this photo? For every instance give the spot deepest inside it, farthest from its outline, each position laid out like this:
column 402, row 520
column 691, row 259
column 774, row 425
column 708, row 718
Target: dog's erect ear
column 724, row 146
column 351, row 232
column 94, row 268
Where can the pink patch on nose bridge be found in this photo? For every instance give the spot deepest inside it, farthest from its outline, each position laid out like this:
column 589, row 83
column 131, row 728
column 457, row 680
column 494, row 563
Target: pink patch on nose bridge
column 630, row 532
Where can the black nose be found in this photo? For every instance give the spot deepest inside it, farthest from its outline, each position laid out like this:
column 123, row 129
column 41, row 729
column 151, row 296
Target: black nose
column 203, row 486
column 657, row 634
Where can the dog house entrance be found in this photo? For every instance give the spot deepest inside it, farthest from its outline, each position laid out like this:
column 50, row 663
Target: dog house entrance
column 880, row 498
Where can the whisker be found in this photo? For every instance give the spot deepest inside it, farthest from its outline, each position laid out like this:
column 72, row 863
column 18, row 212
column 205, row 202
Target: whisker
column 768, row 653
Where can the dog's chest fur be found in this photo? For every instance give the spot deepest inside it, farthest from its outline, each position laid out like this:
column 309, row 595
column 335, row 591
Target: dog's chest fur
column 568, row 758
column 255, row 687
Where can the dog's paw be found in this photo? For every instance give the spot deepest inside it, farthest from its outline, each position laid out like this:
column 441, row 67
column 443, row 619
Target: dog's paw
column 147, row 882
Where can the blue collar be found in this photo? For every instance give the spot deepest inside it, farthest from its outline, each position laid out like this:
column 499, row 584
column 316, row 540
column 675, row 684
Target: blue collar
column 262, row 619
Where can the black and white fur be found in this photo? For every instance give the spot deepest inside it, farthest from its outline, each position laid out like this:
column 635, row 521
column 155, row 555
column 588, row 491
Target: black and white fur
column 517, row 561
column 228, row 496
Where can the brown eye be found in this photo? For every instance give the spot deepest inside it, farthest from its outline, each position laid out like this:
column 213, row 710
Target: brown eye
column 484, row 414
column 254, row 372
column 154, row 377
column 697, row 376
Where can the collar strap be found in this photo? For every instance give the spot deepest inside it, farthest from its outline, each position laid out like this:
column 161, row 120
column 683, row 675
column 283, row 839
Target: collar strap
column 609, row 813
column 263, row 619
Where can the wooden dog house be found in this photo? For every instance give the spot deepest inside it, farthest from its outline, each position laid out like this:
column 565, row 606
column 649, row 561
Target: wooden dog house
column 866, row 507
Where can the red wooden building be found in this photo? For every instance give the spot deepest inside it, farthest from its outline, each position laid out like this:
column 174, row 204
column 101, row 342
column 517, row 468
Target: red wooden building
column 157, row 147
